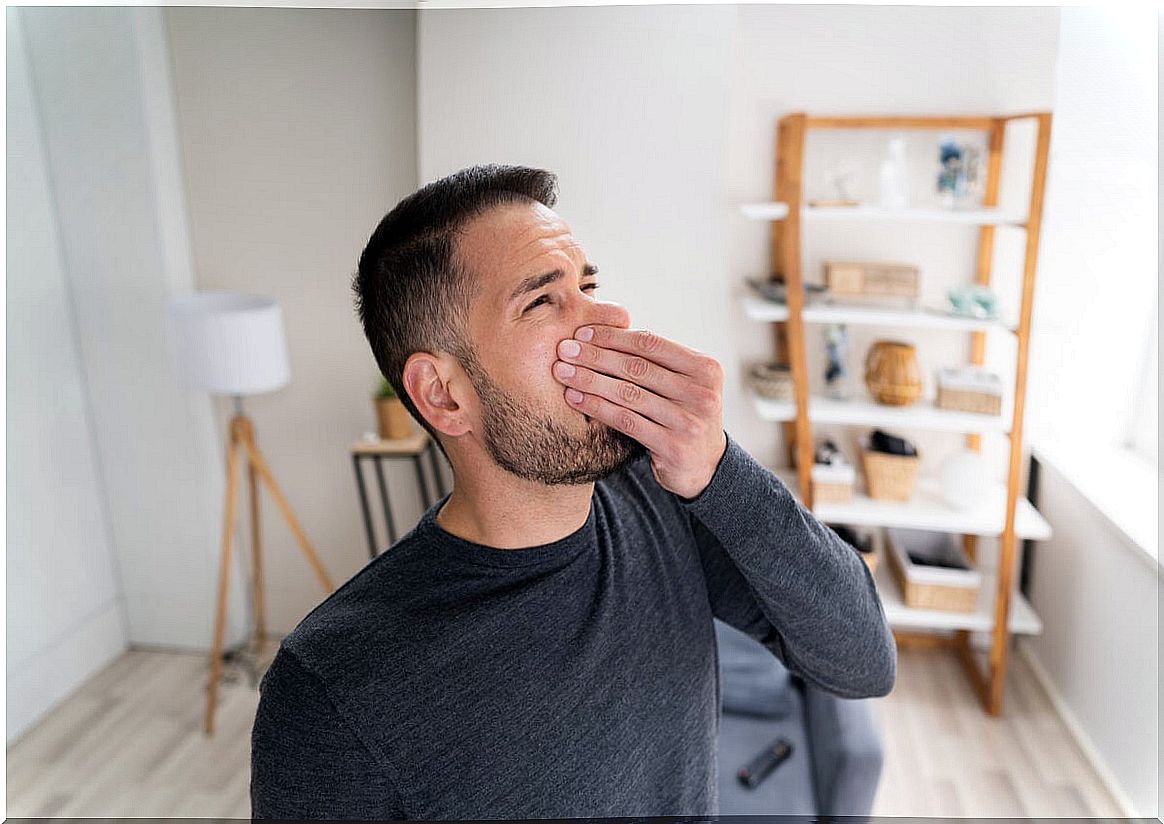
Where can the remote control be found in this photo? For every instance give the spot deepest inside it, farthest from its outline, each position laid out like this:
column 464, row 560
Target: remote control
column 769, row 759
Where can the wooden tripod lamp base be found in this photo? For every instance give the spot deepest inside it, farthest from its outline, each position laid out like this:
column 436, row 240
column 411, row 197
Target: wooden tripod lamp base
column 242, row 435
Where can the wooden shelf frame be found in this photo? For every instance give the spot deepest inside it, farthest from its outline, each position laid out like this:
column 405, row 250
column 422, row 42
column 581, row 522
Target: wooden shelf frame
column 786, row 261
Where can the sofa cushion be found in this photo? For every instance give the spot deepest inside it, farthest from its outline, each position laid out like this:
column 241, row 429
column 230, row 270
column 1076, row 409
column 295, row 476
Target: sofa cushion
column 789, row 789
column 753, row 681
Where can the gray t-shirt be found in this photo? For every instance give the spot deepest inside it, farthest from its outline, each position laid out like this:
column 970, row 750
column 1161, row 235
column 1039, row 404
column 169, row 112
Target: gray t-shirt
column 577, row 678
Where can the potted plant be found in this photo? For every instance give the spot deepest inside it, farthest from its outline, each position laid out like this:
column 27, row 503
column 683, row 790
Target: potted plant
column 395, row 422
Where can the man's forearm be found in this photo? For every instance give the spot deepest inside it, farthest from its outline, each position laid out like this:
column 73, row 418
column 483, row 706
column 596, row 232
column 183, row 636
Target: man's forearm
column 814, row 588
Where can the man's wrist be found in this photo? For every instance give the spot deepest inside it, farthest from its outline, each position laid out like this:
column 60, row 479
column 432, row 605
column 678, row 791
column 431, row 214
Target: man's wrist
column 715, row 472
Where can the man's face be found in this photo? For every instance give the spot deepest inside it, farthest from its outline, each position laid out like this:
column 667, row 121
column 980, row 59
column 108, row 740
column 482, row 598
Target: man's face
column 525, row 422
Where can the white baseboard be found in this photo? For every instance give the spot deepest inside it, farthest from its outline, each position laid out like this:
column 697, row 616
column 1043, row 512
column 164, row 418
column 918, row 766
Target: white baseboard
column 1077, row 732
column 36, row 686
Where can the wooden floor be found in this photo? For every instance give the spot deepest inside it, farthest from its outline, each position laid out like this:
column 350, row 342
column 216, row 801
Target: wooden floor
column 944, row 756
column 129, row 743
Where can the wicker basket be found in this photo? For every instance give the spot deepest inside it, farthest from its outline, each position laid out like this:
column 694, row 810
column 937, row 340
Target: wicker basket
column 969, row 389
column 889, row 477
column 858, row 279
column 962, row 401
column 771, row 380
column 832, row 484
column 927, row 587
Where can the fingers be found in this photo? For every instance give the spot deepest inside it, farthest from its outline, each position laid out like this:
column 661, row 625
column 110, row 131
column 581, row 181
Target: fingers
column 657, row 349
column 650, row 434
column 624, row 393
column 633, row 368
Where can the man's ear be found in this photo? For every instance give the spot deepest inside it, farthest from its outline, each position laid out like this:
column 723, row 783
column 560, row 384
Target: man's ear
column 428, row 381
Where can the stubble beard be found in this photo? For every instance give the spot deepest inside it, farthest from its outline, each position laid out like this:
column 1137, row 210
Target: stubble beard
column 533, row 445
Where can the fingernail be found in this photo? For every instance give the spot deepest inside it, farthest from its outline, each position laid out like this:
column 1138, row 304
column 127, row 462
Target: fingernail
column 565, row 369
column 584, row 334
column 573, row 394
column 570, row 348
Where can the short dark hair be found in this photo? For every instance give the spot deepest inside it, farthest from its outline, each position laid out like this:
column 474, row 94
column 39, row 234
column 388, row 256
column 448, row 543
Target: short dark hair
column 412, row 293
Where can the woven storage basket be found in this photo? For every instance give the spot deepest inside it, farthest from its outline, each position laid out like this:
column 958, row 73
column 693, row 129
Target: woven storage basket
column 925, row 587
column 832, row 484
column 969, row 389
column 889, row 477
column 771, row 380
column 871, row 279
column 962, row 401
column 845, row 279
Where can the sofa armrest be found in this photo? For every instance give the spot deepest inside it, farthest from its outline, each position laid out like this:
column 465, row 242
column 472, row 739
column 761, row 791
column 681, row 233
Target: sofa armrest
column 846, row 751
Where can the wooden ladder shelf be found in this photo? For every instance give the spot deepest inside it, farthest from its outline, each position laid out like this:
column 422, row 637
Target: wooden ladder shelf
column 786, row 263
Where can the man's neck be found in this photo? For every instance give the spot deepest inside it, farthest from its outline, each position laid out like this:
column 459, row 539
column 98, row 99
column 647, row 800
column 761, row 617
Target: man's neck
column 514, row 513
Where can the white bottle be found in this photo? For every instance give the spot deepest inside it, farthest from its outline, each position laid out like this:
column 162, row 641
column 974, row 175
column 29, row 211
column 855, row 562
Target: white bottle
column 894, row 185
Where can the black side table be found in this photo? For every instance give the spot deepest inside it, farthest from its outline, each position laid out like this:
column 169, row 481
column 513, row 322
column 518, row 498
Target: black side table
column 413, row 448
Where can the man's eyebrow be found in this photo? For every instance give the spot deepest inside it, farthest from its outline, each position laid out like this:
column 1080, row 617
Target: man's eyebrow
column 535, row 282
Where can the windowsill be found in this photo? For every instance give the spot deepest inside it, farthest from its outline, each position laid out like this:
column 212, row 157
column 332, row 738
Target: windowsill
column 1120, row 484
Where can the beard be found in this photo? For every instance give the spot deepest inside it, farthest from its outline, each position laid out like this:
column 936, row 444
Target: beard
column 534, row 445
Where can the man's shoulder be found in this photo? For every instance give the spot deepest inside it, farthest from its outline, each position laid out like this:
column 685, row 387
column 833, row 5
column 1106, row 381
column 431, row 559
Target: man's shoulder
column 364, row 614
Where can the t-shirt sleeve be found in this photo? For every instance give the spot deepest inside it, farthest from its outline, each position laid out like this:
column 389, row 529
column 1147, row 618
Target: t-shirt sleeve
column 777, row 573
column 306, row 760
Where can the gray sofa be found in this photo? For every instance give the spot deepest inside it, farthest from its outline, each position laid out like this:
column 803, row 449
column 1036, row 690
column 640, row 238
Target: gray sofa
column 837, row 749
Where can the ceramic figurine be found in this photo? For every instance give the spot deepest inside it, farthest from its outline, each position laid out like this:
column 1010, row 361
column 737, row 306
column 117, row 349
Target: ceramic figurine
column 973, row 301
column 836, row 349
column 952, row 177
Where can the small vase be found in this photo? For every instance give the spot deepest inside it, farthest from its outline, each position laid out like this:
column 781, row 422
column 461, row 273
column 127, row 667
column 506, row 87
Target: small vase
column 892, row 374
column 393, row 417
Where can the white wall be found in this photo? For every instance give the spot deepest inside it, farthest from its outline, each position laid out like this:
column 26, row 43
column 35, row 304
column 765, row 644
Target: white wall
column 628, row 105
column 109, row 224
column 1096, row 591
column 1098, row 597
column 64, row 613
column 156, row 446
column 298, row 133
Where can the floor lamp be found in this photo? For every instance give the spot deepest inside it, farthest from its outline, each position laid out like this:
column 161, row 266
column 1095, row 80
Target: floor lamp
column 232, row 344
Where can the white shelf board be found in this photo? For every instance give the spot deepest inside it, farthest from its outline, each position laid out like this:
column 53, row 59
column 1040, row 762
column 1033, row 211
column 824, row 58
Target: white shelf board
column 976, row 217
column 758, row 308
column 1021, row 617
column 927, row 510
column 773, row 410
column 984, row 216
column 765, row 211
column 921, row 414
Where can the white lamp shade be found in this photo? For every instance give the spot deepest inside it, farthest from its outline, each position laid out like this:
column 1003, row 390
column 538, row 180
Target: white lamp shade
column 228, row 344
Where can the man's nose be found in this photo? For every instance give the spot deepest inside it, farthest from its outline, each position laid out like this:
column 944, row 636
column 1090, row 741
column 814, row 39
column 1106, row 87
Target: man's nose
column 607, row 313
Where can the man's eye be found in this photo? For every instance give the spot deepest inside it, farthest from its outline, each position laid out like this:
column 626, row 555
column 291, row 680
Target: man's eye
column 542, row 298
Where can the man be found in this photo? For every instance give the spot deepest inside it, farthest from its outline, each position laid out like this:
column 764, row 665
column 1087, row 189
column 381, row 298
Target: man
column 541, row 644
